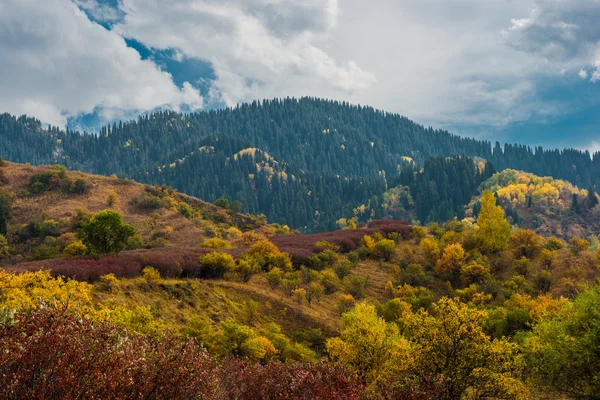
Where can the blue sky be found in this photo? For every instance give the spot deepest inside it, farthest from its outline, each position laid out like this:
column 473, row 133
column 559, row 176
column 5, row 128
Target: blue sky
column 521, row 71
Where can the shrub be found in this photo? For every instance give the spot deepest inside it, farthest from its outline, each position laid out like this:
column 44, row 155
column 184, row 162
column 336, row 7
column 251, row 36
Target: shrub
column 233, row 233
column 75, row 249
column 217, row 264
column 112, row 198
column 384, row 249
column 543, row 281
column 299, row 295
column 215, row 243
column 150, row 275
column 578, row 245
column 430, row 249
column 321, row 381
column 268, row 256
column 343, row 269
column 315, row 292
column 274, row 277
column 414, row 275
column 330, row 281
column 322, row 260
column 474, row 273
column 418, row 233
column 80, row 186
column 74, row 357
column 553, row 243
column 356, row 285
column 246, row 268
column 452, row 261
column 522, row 266
column 221, row 202
column 147, row 203
column 4, row 248
column 186, row 210
column 345, row 302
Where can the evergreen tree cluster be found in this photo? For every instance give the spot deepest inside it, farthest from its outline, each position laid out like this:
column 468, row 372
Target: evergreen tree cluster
column 302, row 162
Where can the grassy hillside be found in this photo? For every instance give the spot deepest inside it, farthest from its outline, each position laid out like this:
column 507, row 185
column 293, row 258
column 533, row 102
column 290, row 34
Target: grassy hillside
column 162, row 217
column 384, row 300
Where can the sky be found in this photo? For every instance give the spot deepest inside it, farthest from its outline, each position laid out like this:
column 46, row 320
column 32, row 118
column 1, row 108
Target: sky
column 524, row 71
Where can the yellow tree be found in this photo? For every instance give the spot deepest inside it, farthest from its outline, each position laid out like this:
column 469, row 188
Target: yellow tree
column 451, row 345
column 493, row 230
column 365, row 341
column 452, row 261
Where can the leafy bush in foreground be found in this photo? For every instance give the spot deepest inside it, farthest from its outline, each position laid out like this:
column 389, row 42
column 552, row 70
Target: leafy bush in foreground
column 53, row 353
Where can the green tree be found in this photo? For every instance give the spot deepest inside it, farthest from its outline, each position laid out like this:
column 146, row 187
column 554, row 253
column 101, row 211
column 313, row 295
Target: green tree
column 493, row 230
column 575, row 204
column 592, row 198
column 562, row 353
column 221, row 202
column 235, row 206
column 105, row 233
column 5, row 212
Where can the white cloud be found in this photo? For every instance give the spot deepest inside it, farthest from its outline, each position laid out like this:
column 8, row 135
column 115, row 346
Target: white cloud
column 56, row 64
column 593, row 147
column 258, row 48
column 464, row 62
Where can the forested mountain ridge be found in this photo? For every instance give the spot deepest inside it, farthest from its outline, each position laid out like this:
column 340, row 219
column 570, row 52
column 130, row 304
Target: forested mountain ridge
column 314, row 160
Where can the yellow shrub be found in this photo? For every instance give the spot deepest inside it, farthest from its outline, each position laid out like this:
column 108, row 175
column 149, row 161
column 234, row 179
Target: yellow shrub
column 75, row 249
column 215, row 243
column 30, row 289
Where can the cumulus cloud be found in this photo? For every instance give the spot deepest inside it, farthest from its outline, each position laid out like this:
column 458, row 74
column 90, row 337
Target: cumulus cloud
column 57, row 64
column 258, row 48
column 564, row 33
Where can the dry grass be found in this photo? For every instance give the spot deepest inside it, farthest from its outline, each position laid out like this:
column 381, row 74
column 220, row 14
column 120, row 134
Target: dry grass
column 57, row 205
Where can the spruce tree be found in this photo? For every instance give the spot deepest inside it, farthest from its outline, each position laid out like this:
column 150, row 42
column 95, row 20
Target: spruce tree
column 592, row 198
column 575, row 204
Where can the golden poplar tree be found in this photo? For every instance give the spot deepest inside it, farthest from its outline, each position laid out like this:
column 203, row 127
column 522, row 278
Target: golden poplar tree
column 493, row 230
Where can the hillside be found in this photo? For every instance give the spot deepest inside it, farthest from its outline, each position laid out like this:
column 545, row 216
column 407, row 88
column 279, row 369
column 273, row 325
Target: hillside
column 162, row 217
column 549, row 206
column 366, row 309
column 301, row 162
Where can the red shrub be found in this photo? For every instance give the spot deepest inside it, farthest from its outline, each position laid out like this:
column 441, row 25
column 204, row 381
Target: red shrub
column 243, row 381
column 52, row 354
column 176, row 262
column 170, row 262
column 300, row 247
column 55, row 354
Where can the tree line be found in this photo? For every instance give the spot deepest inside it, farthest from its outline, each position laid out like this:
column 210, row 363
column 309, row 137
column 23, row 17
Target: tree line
column 303, row 162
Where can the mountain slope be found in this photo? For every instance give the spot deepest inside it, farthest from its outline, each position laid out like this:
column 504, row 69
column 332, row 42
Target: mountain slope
column 303, row 162
column 50, row 217
column 551, row 207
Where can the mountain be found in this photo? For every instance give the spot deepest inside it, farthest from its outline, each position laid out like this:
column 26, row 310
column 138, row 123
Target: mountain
column 302, row 162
